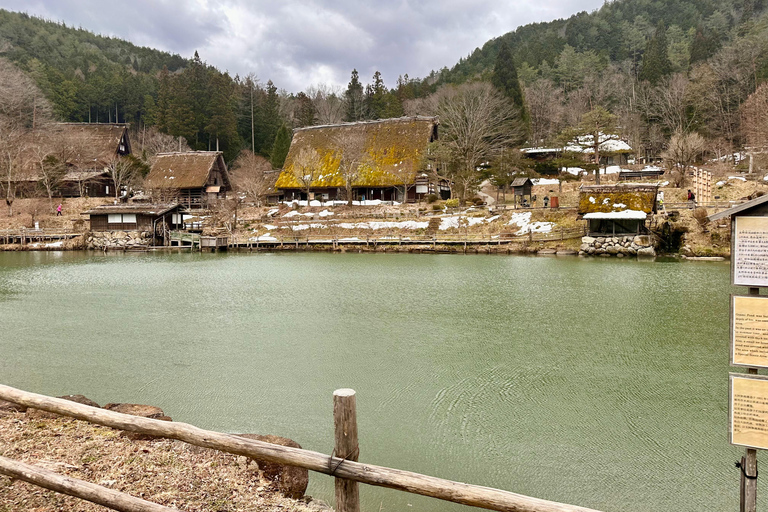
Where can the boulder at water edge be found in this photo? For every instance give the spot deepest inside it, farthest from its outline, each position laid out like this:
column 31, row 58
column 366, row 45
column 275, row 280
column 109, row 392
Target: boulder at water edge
column 292, row 481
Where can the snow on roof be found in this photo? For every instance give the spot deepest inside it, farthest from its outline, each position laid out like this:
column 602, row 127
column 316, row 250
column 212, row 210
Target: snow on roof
column 608, row 143
column 625, row 214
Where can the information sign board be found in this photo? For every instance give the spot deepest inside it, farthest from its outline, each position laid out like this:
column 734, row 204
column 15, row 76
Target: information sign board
column 748, row 410
column 749, row 331
column 749, row 261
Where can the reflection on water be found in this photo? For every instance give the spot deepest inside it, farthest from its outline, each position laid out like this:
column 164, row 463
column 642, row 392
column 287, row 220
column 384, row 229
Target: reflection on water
column 599, row 383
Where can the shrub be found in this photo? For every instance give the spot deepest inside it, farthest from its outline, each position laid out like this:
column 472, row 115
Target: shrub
column 436, row 207
column 431, row 198
column 452, row 203
column 478, row 201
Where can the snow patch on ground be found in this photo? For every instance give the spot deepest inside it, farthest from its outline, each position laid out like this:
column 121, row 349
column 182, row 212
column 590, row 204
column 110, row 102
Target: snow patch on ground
column 272, row 212
column 523, row 220
column 325, row 213
column 742, row 178
column 263, row 238
column 546, row 181
column 626, row 214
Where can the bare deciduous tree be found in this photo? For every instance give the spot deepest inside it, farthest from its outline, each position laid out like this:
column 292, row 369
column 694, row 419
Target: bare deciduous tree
column 329, row 103
column 306, row 168
column 545, row 107
column 682, row 152
column 477, row 122
column 123, row 173
column 350, row 149
column 250, row 175
column 22, row 109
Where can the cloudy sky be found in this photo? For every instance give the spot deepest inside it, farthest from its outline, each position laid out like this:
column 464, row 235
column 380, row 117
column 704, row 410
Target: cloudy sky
column 301, row 43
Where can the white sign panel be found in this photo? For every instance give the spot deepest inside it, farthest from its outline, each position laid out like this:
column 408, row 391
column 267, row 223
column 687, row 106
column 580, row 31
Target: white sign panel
column 750, row 251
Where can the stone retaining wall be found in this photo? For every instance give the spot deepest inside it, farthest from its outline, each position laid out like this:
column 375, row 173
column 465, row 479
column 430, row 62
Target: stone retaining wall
column 105, row 240
column 619, row 246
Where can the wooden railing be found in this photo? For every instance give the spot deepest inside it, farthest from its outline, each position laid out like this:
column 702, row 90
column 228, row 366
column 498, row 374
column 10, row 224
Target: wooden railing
column 335, row 240
column 343, row 466
column 26, row 235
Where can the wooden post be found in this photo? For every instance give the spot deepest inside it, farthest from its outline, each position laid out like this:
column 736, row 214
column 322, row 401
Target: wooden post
column 748, row 486
column 346, row 448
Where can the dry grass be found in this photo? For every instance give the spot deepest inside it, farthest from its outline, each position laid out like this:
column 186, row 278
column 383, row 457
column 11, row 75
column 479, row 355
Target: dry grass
column 168, row 472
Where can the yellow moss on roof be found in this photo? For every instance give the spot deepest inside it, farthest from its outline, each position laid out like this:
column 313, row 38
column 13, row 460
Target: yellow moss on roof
column 394, row 152
column 617, row 198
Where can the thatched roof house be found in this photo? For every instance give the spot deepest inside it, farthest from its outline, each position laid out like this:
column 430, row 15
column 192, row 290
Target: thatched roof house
column 391, row 161
column 617, row 209
column 193, row 178
column 87, row 149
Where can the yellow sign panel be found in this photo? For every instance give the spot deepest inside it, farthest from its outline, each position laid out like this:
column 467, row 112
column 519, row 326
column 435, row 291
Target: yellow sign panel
column 750, row 251
column 748, row 418
column 749, row 331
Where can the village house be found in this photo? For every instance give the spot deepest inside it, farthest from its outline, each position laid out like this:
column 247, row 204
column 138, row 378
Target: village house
column 617, row 209
column 613, row 151
column 194, row 179
column 390, row 161
column 127, row 225
column 87, row 149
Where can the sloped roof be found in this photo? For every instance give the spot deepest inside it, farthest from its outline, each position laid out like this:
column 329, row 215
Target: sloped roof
column 520, row 182
column 394, row 152
column 608, row 144
column 101, row 141
column 189, row 169
column 617, row 198
column 145, row 209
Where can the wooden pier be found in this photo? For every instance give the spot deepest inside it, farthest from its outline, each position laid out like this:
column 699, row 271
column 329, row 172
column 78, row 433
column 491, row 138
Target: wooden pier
column 27, row 236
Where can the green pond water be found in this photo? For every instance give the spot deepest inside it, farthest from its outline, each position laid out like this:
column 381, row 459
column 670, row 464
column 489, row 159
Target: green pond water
column 601, row 383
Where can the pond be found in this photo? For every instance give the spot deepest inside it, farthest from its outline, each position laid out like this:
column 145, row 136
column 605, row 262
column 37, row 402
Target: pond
column 601, row 383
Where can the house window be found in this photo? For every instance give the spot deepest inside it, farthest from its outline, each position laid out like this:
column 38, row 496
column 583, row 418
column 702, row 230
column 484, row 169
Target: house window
column 121, row 218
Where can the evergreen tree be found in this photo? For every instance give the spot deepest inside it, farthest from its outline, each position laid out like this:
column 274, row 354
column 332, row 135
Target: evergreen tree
column 304, row 111
column 504, row 77
column 354, row 97
column 269, row 118
column 222, row 120
column 376, row 98
column 280, row 147
column 656, row 64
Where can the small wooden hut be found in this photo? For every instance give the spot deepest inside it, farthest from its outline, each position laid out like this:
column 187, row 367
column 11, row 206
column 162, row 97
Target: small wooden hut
column 617, row 209
column 192, row 178
column 156, row 219
column 522, row 188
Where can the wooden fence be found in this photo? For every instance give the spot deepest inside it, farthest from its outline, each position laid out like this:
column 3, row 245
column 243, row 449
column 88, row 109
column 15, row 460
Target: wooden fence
column 25, row 236
column 297, row 241
column 343, row 466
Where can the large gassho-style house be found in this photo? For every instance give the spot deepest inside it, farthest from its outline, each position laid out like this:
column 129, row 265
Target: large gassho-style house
column 391, row 162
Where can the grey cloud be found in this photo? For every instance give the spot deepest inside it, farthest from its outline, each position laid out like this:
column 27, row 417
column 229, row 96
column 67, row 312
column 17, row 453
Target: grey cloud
column 297, row 44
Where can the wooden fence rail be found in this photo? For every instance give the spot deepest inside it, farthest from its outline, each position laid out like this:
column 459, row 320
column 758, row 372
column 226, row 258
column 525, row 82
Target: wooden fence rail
column 98, row 494
column 339, row 467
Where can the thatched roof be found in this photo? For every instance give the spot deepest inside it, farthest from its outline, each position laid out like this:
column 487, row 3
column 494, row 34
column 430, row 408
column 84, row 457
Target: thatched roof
column 183, row 170
column 100, row 142
column 144, row 209
column 617, row 198
column 393, row 155
column 521, row 182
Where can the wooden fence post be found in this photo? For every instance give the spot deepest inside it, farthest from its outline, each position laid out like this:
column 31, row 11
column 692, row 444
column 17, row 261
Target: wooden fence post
column 346, row 448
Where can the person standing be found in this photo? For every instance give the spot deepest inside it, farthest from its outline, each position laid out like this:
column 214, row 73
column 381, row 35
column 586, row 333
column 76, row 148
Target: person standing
column 58, row 210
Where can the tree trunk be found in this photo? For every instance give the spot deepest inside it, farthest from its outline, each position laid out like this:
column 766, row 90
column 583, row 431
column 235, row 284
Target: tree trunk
column 349, row 193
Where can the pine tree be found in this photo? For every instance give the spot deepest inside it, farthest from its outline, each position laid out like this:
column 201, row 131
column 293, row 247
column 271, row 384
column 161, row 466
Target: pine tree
column 354, row 97
column 656, row 64
column 505, row 79
column 376, row 98
column 270, row 119
column 304, row 112
column 280, row 147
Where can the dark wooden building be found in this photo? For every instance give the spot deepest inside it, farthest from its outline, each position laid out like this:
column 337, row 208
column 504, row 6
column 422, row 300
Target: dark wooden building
column 152, row 218
column 522, row 188
column 192, row 178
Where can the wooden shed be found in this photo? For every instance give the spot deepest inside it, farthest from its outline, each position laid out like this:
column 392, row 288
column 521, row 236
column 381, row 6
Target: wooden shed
column 192, row 178
column 522, row 188
column 152, row 218
column 617, row 209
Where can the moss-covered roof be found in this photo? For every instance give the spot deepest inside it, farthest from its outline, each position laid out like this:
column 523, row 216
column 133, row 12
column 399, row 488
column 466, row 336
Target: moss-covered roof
column 617, row 198
column 189, row 169
column 394, row 152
